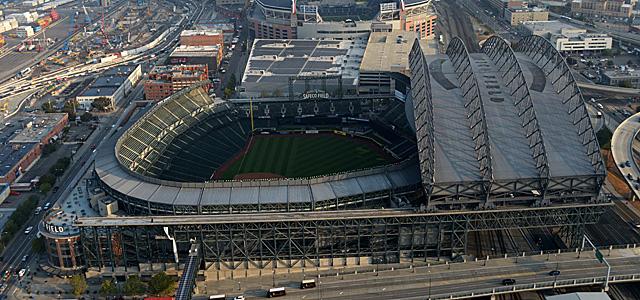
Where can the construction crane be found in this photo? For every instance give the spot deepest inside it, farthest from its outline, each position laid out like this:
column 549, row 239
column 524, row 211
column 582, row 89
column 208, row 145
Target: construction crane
column 66, row 43
column 88, row 19
column 104, row 34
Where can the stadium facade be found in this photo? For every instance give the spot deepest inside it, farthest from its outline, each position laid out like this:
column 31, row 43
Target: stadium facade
column 288, row 19
column 494, row 140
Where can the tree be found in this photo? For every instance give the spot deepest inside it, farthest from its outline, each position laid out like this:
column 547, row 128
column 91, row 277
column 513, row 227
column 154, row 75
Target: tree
column 101, row 103
column 45, row 188
column 232, row 82
column 133, row 286
column 48, row 178
column 610, row 63
column 277, row 93
column 264, row 94
column 48, row 149
column 78, row 283
column 629, row 62
column 108, row 288
column 37, row 245
column 244, row 46
column 70, row 108
column 161, row 284
column 33, row 200
column 48, row 107
column 227, row 93
column 86, row 117
column 626, row 84
column 617, row 52
column 57, row 169
column 606, row 52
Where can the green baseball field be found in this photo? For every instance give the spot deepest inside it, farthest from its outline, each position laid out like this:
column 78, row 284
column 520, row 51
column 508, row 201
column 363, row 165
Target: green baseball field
column 304, row 156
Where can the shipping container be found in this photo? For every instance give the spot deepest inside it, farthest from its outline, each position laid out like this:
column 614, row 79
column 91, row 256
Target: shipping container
column 54, row 15
column 1, row 41
column 37, row 28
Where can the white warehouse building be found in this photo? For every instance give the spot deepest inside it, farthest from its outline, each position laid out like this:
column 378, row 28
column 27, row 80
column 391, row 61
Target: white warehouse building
column 567, row 38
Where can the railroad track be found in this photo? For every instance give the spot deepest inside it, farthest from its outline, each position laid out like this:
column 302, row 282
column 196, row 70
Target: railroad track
column 459, row 24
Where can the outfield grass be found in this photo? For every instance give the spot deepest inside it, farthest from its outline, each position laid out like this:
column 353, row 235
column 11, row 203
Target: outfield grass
column 304, row 156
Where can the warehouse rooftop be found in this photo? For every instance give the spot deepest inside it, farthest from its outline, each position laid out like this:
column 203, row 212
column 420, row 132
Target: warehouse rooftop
column 388, row 51
column 277, row 60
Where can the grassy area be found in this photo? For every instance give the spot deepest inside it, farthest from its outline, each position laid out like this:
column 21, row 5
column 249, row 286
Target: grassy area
column 304, row 156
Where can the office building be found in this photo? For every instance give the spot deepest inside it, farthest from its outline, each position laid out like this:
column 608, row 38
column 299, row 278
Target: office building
column 166, row 80
column 567, row 38
column 517, row 15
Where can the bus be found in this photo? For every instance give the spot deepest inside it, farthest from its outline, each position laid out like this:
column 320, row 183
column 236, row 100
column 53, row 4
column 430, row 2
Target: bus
column 276, row 292
column 25, row 72
column 307, row 284
column 218, row 297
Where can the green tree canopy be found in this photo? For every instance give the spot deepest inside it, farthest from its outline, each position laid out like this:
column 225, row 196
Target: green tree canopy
column 161, row 284
column 37, row 245
column 101, row 103
column 86, row 117
column 48, row 178
column 45, row 188
column 277, row 93
column 48, row 107
column 78, row 283
column 48, row 149
column 108, row 288
column 227, row 93
column 133, row 286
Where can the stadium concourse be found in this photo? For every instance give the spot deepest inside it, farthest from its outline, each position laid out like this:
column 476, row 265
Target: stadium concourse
column 503, row 141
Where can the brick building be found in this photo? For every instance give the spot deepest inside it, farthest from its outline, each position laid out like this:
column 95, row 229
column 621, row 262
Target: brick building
column 166, row 80
column 19, row 153
column 604, row 8
column 201, row 37
column 209, row 55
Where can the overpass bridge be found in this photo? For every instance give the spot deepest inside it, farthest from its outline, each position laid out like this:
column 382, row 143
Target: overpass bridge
column 442, row 280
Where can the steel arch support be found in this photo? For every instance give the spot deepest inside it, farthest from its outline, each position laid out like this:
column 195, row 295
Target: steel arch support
column 554, row 65
column 459, row 56
column 423, row 115
column 501, row 53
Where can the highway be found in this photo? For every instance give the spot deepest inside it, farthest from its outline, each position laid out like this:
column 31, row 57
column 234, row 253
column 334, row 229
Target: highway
column 447, row 281
column 621, row 148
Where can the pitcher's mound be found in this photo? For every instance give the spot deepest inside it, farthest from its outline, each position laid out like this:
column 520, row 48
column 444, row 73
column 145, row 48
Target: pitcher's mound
column 257, row 176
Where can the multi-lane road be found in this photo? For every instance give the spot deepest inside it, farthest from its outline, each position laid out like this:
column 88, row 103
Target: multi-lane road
column 621, row 148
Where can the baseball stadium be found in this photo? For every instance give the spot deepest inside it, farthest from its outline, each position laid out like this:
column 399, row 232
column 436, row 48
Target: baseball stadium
column 488, row 141
column 188, row 155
